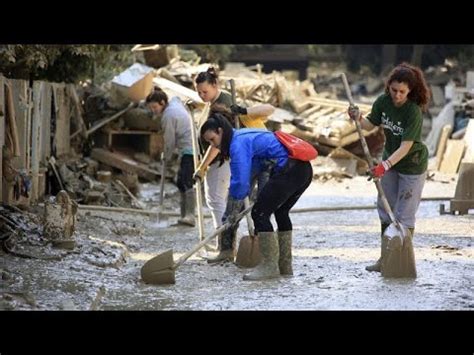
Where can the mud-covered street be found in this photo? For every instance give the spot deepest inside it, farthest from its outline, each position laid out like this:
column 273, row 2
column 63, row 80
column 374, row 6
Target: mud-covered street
column 330, row 250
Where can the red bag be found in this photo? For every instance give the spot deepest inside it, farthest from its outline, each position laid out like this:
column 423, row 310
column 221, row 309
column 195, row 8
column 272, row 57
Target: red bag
column 297, row 148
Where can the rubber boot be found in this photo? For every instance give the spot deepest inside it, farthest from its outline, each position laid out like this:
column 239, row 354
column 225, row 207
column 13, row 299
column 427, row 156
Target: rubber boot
column 285, row 259
column 225, row 246
column 189, row 218
column 268, row 268
column 182, row 204
column 383, row 251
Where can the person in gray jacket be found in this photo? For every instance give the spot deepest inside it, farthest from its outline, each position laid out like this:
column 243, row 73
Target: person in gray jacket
column 175, row 122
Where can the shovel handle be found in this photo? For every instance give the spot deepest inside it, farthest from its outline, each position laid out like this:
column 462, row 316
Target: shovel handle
column 203, row 242
column 249, row 218
column 162, row 181
column 365, row 147
column 196, row 159
column 234, row 102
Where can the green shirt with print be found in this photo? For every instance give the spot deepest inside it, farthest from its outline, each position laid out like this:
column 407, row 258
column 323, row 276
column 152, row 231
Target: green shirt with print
column 402, row 123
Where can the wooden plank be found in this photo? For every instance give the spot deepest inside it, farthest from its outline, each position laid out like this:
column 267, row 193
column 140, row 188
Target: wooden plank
column 2, row 131
column 78, row 116
column 445, row 133
column 21, row 101
column 338, row 103
column 310, row 111
column 104, row 121
column 176, row 89
column 346, row 140
column 61, row 135
column 325, row 111
column 29, row 113
column 125, row 163
column 35, row 138
column 45, row 137
column 11, row 116
column 452, row 157
column 469, row 140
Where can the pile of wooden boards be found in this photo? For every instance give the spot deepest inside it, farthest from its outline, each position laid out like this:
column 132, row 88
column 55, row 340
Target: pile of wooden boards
column 327, row 122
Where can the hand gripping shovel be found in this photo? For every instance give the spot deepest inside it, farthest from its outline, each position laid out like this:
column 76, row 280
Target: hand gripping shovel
column 399, row 260
column 161, row 268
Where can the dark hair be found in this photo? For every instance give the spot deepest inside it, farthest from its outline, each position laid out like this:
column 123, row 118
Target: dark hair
column 413, row 77
column 210, row 76
column 215, row 121
column 157, row 95
column 224, row 111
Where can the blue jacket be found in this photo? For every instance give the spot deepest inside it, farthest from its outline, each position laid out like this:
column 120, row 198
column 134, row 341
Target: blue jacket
column 249, row 149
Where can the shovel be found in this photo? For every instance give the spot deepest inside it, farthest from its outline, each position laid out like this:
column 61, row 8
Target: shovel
column 161, row 268
column 248, row 254
column 196, row 158
column 400, row 247
column 161, row 218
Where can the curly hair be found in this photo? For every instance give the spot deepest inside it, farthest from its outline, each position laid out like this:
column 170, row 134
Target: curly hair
column 415, row 80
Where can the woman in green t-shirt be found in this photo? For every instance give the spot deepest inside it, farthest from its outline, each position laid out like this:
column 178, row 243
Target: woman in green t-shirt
column 405, row 156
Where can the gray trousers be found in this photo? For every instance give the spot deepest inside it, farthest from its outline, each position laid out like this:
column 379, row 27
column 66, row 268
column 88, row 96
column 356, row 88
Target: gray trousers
column 403, row 194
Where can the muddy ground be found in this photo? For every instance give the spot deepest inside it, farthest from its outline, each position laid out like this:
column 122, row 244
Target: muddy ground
column 330, row 252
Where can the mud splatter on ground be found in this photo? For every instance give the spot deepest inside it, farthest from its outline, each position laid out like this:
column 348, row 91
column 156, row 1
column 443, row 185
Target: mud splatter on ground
column 330, row 252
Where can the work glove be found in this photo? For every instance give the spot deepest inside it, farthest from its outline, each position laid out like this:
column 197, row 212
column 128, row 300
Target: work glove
column 354, row 113
column 235, row 206
column 200, row 173
column 379, row 170
column 238, row 110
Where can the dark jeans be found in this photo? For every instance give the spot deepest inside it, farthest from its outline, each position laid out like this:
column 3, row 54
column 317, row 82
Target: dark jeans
column 185, row 173
column 280, row 194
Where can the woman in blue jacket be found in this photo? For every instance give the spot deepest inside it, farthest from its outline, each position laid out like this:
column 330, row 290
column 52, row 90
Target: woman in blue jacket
column 249, row 149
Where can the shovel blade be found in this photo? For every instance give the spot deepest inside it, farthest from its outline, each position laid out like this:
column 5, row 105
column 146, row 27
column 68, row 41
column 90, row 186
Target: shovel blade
column 400, row 258
column 164, row 277
column 248, row 254
column 158, row 270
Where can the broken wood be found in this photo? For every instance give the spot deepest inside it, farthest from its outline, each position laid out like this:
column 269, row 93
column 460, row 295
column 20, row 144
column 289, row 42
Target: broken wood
column 78, row 112
column 35, row 138
column 469, row 140
column 104, row 176
column 124, row 163
column 138, row 203
column 445, row 133
column 452, row 156
column 177, row 89
column 12, row 120
column 104, row 121
column 52, row 162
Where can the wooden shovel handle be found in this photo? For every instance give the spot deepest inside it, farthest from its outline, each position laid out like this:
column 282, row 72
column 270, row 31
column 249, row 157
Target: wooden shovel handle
column 203, row 242
column 365, row 147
